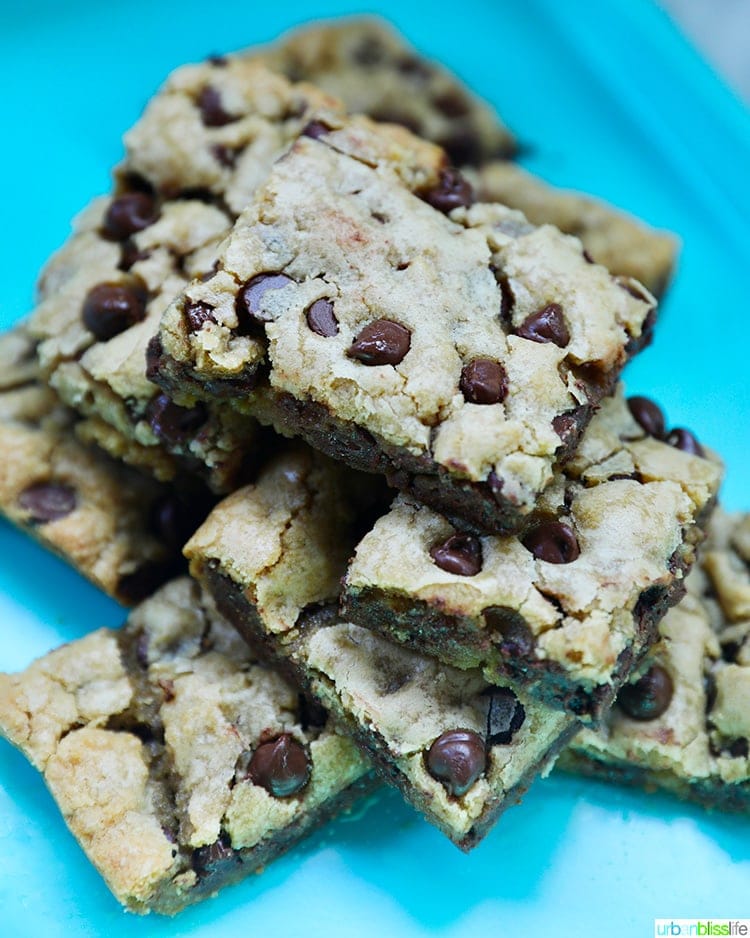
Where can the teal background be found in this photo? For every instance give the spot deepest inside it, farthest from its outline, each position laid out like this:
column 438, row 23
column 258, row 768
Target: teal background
column 607, row 97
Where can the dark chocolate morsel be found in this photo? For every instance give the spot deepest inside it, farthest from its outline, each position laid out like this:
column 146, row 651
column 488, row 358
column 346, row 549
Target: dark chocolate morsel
column 47, row 501
column 321, row 318
column 505, row 715
column 382, row 342
column 212, row 109
column 456, row 759
column 452, row 191
column 683, row 439
column 111, row 308
column 516, row 638
column 369, row 51
column 210, row 857
column 546, row 325
column 649, row 696
column 128, row 214
column 483, row 381
column 552, row 541
column 460, row 554
column 131, row 254
column 249, row 299
column 452, row 103
column 648, row 415
column 197, row 314
column 315, row 129
column 463, row 146
column 281, row 766
column 172, row 423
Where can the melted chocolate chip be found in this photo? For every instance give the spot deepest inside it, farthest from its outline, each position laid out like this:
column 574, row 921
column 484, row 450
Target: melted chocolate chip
column 321, row 318
column 568, row 426
column 649, row 697
column 249, row 299
column 111, row 308
column 128, row 214
column 452, row 191
column 457, row 758
column 483, row 381
column 552, row 541
column 683, row 439
column 546, row 325
column 382, row 342
column 505, row 716
column 211, row 108
column 213, row 856
column 315, row 129
column 516, row 638
column 452, row 103
column 281, row 766
column 197, row 314
column 131, row 255
column 460, row 554
column 172, row 423
column 648, row 416
column 47, row 501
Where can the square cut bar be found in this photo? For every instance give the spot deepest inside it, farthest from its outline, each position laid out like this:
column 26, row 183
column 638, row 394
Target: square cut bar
column 569, row 606
column 460, row 748
column 684, row 723
column 179, row 763
column 121, row 530
column 456, row 349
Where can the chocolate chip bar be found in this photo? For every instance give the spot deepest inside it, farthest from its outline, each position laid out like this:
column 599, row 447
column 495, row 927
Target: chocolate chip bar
column 454, row 348
column 374, row 71
column 178, row 761
column 683, row 723
column 120, row 529
column 460, row 748
column 568, row 607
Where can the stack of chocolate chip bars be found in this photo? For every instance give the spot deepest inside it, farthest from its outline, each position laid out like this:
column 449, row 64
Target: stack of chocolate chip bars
column 328, row 343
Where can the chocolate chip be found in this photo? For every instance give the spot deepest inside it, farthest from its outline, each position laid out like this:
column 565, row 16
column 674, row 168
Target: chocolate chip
column 128, row 214
column 310, row 713
column 315, row 129
column 452, row 103
column 451, row 191
column 172, row 423
column 463, row 146
column 382, row 342
column 648, row 415
column 281, row 766
column 552, row 541
column 483, row 381
column 369, row 51
column 131, row 255
column 457, row 758
column 568, row 425
column 516, row 638
column 739, row 749
column 212, row 110
column 197, row 314
column 505, row 716
column 507, row 298
column 683, row 439
column 249, row 299
column 47, row 501
column 649, row 697
column 213, row 856
column 460, row 554
column 414, row 67
column 111, row 308
column 321, row 318
column 546, row 325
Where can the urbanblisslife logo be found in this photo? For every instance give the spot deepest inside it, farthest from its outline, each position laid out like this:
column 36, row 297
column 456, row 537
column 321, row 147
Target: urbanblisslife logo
column 707, row 927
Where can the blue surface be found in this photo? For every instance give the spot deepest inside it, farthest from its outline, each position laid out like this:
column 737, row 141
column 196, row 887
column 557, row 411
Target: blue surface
column 610, row 99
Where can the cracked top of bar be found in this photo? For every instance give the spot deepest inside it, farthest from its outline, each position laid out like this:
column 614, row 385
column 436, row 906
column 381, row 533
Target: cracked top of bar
column 157, row 742
column 684, row 722
column 571, row 604
column 452, row 346
column 121, row 530
column 272, row 554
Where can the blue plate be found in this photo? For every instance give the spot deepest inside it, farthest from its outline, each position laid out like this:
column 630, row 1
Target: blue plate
column 610, row 99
